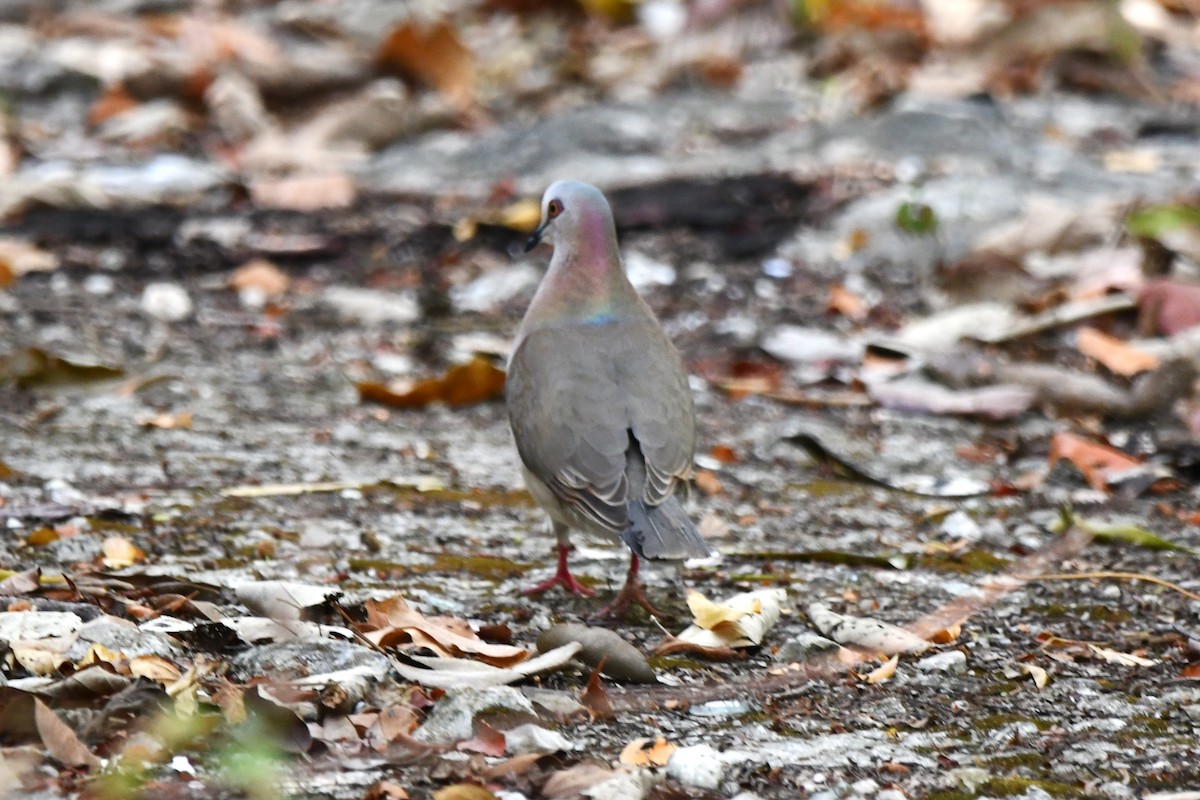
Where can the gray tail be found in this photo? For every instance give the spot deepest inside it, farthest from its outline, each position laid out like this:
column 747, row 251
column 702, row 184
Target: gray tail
column 663, row 531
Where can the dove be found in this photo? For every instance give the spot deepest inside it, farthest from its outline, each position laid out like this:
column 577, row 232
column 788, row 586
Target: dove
column 599, row 402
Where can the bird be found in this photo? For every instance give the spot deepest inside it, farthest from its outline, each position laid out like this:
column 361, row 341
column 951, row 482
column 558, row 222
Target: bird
column 599, row 402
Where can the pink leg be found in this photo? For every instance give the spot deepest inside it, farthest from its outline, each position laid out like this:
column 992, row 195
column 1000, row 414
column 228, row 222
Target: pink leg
column 563, row 577
column 630, row 593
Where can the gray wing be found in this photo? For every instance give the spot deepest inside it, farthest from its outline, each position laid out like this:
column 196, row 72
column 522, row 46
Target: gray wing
column 574, row 395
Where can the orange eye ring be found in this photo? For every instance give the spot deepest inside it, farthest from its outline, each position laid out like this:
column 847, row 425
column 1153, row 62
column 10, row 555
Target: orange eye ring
column 554, row 209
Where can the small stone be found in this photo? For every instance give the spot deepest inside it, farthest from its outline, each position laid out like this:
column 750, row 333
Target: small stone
column 168, row 302
column 699, row 766
column 959, row 525
column 891, row 794
column 453, row 717
column 1193, row 712
column 1115, row 791
column 864, row 787
column 777, row 268
column 624, row 786
column 804, row 647
column 952, row 661
column 120, row 636
column 532, row 738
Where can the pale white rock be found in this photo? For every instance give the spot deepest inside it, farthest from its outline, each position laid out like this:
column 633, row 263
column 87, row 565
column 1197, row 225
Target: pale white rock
column 532, row 738
column 372, row 307
column 699, row 765
column 495, row 287
column 804, row 345
column 168, row 302
column 644, row 272
column 959, row 525
column 453, row 717
column 18, row 626
column 864, row 787
column 624, row 786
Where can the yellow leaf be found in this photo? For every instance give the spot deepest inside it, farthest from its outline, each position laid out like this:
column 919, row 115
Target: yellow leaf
column 709, row 615
column 99, row 654
column 435, row 56
column 156, row 668
column 463, row 791
column 884, row 672
column 644, row 753
column 120, row 552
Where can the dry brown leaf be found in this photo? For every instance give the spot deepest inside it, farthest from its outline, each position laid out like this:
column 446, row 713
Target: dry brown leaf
column 645, row 753
column 119, row 552
column 19, row 257
column 463, row 791
column 1124, row 659
column 474, row 382
column 394, row 616
column 156, row 668
column 61, row 742
column 487, row 740
column 1039, row 675
column 575, row 780
column 883, row 672
column 167, row 422
column 709, row 615
column 261, row 277
column 435, row 56
column 595, row 697
column 304, row 192
column 724, row 453
column 115, row 101
column 232, row 702
column 1117, row 356
column 739, row 621
column 843, row 301
column 1096, row 461
column 708, row 483
column 946, row 635
column 517, row 765
column 671, row 645
column 386, row 790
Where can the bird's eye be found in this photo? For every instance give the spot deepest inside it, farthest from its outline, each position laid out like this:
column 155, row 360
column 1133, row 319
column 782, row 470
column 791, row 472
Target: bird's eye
column 554, row 209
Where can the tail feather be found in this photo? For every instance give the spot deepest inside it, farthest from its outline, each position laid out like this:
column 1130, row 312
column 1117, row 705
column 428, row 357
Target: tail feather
column 663, row 531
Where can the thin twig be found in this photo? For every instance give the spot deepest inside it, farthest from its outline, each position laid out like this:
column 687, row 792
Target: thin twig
column 1127, row 576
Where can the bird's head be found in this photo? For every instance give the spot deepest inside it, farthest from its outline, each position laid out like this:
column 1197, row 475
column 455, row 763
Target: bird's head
column 571, row 209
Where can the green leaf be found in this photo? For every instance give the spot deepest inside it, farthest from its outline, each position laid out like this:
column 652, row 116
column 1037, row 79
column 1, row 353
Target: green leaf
column 917, row 219
column 1120, row 533
column 1153, row 221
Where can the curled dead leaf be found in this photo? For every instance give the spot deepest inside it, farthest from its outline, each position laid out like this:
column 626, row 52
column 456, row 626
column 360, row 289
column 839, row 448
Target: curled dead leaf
column 1096, row 461
column 463, row 791
column 883, row 672
column 260, row 277
column 1117, row 356
column 647, row 753
column 463, row 384
column 435, row 56
column 119, row 552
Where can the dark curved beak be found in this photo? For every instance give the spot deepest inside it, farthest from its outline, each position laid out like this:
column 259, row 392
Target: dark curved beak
column 536, row 237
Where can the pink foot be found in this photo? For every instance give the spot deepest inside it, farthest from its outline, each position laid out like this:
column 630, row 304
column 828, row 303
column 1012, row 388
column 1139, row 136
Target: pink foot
column 630, row 594
column 562, row 577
